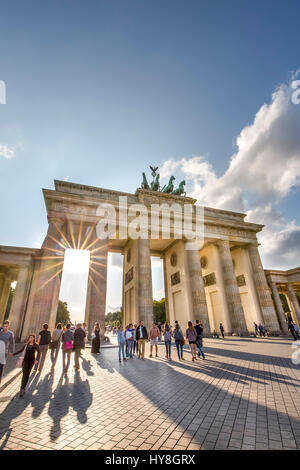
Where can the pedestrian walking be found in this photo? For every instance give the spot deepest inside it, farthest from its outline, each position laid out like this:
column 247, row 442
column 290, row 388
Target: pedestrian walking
column 292, row 330
column 176, row 323
column 261, row 330
column 121, row 343
column 191, row 337
column 159, row 327
column 55, row 343
column 96, row 339
column 199, row 343
column 221, row 327
column 154, row 336
column 141, row 337
column 67, row 347
column 27, row 360
column 126, row 342
column 78, row 344
column 255, row 328
column 7, row 345
column 179, row 341
column 43, row 341
column 296, row 330
column 86, row 330
column 135, row 345
column 168, row 340
column 130, row 340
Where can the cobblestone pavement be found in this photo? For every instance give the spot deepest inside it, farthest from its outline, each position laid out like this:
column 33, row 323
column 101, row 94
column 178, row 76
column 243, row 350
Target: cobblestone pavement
column 245, row 395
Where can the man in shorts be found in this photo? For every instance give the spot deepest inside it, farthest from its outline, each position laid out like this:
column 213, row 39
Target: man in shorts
column 154, row 336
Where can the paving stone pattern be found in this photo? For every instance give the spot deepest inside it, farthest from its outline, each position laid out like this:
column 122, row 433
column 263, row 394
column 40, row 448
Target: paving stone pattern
column 245, row 395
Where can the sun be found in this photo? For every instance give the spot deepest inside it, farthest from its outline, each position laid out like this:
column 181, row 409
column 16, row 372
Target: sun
column 76, row 261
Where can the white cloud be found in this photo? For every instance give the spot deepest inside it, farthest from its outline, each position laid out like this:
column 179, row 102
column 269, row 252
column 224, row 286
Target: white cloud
column 168, row 167
column 6, row 151
column 264, row 169
column 115, row 261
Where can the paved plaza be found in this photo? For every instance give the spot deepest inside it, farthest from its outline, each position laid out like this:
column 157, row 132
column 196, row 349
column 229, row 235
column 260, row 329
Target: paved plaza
column 245, row 395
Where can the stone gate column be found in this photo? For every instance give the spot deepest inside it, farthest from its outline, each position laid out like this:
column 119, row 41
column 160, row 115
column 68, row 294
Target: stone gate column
column 4, row 296
column 279, row 308
column 235, row 308
column 18, row 306
column 43, row 308
column 166, row 291
column 200, row 311
column 294, row 301
column 145, row 295
column 96, row 291
column 262, row 288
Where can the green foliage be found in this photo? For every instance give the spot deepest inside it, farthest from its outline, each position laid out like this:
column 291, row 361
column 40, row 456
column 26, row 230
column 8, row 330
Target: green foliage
column 159, row 311
column 11, row 294
column 114, row 319
column 63, row 314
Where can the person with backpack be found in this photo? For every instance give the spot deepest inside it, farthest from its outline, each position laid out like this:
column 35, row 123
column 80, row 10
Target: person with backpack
column 55, row 343
column 179, row 341
column 191, row 336
column 43, row 341
column 130, row 340
column 67, row 347
column 78, row 344
column 221, row 327
column 121, row 343
column 168, row 340
column 7, row 345
column 199, row 343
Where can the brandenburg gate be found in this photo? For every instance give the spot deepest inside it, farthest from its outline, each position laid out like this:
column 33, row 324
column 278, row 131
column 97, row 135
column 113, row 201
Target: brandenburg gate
column 222, row 281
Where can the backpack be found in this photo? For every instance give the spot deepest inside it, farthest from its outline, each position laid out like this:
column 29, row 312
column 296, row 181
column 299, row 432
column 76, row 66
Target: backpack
column 167, row 336
column 177, row 335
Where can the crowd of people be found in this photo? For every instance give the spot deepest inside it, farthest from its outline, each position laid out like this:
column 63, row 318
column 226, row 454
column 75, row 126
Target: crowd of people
column 35, row 350
column 132, row 339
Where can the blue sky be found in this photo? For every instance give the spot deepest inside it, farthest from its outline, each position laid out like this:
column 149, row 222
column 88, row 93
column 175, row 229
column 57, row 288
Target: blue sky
column 98, row 90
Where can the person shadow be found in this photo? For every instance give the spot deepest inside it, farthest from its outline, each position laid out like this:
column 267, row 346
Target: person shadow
column 59, row 404
column 81, row 397
column 42, row 395
column 15, row 408
column 87, row 367
column 77, row 396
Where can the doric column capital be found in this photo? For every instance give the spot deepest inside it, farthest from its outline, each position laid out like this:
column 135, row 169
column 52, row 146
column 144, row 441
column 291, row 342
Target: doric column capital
column 57, row 221
column 223, row 243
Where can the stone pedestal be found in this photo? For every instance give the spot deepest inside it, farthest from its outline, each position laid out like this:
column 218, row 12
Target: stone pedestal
column 96, row 292
column 262, row 288
column 281, row 316
column 294, row 302
column 233, row 298
column 196, row 283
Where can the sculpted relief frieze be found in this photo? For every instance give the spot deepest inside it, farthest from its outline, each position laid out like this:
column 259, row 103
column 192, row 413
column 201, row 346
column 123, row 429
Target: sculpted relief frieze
column 74, row 209
column 228, row 231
